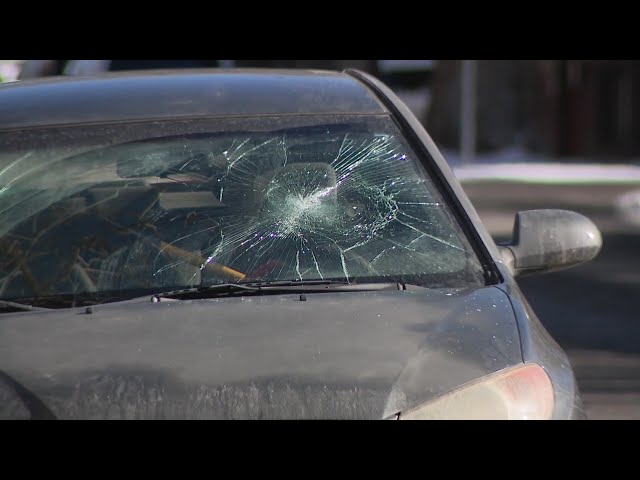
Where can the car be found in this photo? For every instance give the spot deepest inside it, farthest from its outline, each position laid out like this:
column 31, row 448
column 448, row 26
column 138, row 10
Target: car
column 260, row 244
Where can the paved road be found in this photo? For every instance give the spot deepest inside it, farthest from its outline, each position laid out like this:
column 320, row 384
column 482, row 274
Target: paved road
column 591, row 310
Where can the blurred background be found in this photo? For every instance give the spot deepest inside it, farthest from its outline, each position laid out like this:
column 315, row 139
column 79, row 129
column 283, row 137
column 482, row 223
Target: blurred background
column 520, row 134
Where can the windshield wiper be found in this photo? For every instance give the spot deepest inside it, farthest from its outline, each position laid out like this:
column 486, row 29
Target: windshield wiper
column 21, row 306
column 272, row 288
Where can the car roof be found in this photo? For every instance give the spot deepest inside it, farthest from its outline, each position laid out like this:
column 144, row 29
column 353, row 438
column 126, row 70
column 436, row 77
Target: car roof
column 142, row 95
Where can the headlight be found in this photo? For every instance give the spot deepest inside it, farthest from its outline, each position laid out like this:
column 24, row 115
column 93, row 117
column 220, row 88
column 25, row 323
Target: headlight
column 520, row 393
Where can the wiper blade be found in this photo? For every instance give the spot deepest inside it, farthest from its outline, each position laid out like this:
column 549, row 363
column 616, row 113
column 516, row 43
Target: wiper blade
column 266, row 288
column 21, row 306
column 295, row 283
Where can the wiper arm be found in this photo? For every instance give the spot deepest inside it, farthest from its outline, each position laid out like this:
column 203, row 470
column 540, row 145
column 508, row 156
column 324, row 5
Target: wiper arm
column 200, row 292
column 21, row 306
column 265, row 288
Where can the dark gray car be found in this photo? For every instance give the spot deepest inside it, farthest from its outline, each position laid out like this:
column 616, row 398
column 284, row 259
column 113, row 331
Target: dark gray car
column 256, row 244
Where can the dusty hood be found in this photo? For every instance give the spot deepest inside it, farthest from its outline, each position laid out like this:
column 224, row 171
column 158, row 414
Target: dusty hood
column 360, row 355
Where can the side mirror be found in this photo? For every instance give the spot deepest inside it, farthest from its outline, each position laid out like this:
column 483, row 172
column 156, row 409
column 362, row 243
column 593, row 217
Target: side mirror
column 549, row 240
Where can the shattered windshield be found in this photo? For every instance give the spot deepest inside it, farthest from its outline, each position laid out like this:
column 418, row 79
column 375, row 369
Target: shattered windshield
column 161, row 205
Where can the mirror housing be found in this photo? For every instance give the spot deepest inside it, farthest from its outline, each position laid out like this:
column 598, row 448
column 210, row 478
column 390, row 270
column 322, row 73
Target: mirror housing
column 550, row 240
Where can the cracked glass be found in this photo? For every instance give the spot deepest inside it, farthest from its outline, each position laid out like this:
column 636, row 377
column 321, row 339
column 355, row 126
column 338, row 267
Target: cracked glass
column 108, row 209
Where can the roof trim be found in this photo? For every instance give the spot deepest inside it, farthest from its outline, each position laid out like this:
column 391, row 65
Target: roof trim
column 157, row 95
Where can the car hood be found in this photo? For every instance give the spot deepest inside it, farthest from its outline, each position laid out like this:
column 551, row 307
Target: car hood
column 354, row 355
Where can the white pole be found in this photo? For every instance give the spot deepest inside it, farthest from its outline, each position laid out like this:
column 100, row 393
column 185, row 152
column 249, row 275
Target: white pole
column 468, row 111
